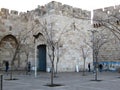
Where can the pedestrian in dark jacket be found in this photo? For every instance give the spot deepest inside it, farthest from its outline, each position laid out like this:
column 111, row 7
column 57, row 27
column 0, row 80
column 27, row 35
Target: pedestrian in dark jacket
column 100, row 67
column 6, row 66
column 89, row 67
column 29, row 67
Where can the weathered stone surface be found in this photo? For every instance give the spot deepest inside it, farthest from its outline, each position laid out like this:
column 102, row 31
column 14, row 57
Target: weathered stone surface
column 5, row 11
column 14, row 12
column 67, row 24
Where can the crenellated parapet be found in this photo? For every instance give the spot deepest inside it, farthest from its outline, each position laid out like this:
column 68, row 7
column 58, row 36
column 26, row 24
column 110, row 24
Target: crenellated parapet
column 5, row 13
column 107, row 14
column 65, row 10
column 48, row 9
column 14, row 12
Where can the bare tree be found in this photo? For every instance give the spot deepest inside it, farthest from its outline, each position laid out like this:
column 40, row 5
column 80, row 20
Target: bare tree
column 110, row 21
column 85, row 50
column 22, row 39
column 21, row 46
column 50, row 44
column 53, row 43
column 98, row 40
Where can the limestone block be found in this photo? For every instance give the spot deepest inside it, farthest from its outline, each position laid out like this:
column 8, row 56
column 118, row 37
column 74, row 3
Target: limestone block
column 5, row 11
column 110, row 9
column 14, row 12
column 0, row 13
column 53, row 5
column 77, row 12
column 67, row 10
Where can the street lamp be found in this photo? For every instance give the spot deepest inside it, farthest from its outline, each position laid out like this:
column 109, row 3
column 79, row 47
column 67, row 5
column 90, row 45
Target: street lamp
column 94, row 50
column 35, row 38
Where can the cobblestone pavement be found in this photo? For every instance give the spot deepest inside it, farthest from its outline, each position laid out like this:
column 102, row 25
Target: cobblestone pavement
column 69, row 81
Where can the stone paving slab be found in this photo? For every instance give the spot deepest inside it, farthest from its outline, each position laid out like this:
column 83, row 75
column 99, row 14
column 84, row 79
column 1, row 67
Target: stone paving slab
column 70, row 81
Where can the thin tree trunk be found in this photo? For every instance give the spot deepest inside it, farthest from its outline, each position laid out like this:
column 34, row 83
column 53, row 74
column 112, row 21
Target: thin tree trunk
column 12, row 63
column 52, row 71
column 84, row 68
column 57, row 60
column 11, row 72
column 18, row 60
column 56, row 67
column 96, row 67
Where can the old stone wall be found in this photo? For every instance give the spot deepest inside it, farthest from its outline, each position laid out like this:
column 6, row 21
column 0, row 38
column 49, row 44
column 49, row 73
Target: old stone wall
column 13, row 28
column 108, row 14
column 65, row 10
column 107, row 19
column 65, row 18
column 71, row 41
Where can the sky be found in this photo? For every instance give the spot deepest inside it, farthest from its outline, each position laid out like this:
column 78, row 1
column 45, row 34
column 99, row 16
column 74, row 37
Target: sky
column 24, row 5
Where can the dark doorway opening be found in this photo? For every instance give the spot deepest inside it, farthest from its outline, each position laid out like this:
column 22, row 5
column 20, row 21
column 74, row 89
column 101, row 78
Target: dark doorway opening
column 41, row 58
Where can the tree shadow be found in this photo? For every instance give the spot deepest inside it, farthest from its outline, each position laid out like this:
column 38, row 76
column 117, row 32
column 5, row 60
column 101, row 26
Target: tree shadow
column 53, row 85
column 96, row 80
column 11, row 79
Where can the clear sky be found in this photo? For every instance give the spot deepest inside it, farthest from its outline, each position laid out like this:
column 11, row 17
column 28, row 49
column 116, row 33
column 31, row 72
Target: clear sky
column 24, row 5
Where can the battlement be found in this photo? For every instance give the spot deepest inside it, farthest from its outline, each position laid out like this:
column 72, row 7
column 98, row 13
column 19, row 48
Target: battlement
column 65, row 10
column 107, row 14
column 14, row 12
column 52, row 8
column 5, row 11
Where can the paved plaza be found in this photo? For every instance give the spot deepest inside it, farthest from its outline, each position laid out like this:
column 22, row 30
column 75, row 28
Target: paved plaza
column 69, row 81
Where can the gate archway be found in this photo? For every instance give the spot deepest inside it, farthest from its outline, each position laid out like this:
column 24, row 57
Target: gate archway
column 7, row 47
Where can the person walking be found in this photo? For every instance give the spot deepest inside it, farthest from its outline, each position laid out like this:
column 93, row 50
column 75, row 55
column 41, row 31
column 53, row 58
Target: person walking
column 6, row 66
column 89, row 67
column 100, row 67
column 29, row 67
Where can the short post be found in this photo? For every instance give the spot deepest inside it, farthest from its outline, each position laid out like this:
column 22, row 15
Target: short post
column 1, row 82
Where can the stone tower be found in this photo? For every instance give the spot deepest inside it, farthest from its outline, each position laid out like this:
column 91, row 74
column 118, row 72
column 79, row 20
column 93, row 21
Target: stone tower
column 65, row 24
column 107, row 19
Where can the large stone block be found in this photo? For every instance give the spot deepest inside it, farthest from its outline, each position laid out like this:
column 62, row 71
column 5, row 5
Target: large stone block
column 14, row 12
column 5, row 11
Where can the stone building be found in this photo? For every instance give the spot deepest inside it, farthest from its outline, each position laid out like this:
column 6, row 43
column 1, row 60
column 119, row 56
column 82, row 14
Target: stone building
column 27, row 36
column 108, row 18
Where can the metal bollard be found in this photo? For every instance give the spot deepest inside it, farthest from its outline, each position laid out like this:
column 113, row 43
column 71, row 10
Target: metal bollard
column 1, row 82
